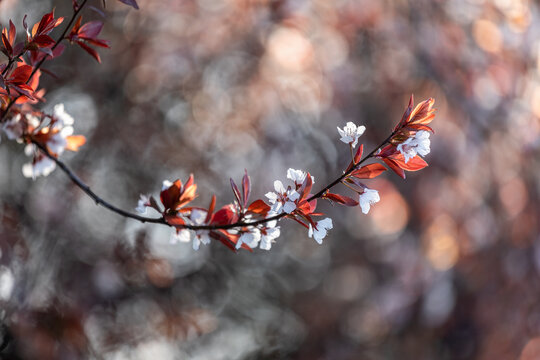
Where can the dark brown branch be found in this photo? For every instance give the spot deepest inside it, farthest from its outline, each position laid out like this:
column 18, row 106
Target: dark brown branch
column 99, row 201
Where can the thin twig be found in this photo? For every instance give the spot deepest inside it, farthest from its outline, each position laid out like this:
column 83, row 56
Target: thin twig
column 100, row 201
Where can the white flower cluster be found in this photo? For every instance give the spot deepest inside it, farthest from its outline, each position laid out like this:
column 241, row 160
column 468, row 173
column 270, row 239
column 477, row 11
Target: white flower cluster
column 350, row 133
column 196, row 217
column 368, row 198
column 416, row 145
column 263, row 238
column 283, row 199
column 322, row 229
column 57, row 133
column 56, row 143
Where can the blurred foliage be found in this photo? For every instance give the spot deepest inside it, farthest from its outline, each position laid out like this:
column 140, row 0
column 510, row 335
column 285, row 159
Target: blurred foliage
column 446, row 266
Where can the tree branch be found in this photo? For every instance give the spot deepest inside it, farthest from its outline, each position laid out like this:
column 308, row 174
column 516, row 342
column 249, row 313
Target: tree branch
column 100, row 201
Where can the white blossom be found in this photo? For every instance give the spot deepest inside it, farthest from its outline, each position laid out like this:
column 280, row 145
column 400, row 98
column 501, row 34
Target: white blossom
column 322, row 229
column 14, row 127
column 282, row 199
column 419, row 144
column 57, row 142
column 201, row 236
column 197, row 217
column 269, row 235
column 62, row 116
column 350, row 133
column 41, row 166
column 250, row 238
column 183, row 235
column 368, row 198
column 144, row 201
column 298, row 176
column 289, row 207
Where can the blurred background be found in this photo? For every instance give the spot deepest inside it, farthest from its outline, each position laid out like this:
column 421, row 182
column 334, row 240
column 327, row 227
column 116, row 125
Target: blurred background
column 446, row 266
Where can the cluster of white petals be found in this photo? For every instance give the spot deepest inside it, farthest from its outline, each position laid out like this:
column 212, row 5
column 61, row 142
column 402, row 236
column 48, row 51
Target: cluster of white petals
column 368, row 198
column 40, row 165
column 269, row 235
column 350, row 133
column 60, row 129
column 319, row 233
column 251, row 238
column 298, row 176
column 198, row 237
column 416, row 145
column 262, row 237
column 282, row 200
column 14, row 127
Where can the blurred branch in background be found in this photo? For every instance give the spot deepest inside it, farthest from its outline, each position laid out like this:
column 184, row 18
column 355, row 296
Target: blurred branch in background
column 445, row 266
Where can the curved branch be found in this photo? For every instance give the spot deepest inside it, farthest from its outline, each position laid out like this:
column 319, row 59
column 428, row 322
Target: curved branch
column 100, row 201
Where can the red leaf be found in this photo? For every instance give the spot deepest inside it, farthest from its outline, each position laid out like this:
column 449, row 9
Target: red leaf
column 305, row 189
column 131, row 3
column 236, row 192
column 414, row 164
column 227, row 239
column 74, row 142
column 358, row 155
column 259, row 207
column 394, row 166
column 246, row 187
column 89, row 50
column 225, row 215
column 387, row 151
column 210, row 210
column 341, row 199
column 187, row 194
column 170, row 196
column 46, row 24
column 7, row 45
column 21, row 74
column 423, row 113
column 190, row 181
column 369, row 171
column 98, row 42
column 90, row 29
column 76, row 27
column 174, row 220
column 12, row 32
column 24, row 90
column 355, row 181
column 406, row 114
column 43, row 41
column 420, row 127
column 43, row 24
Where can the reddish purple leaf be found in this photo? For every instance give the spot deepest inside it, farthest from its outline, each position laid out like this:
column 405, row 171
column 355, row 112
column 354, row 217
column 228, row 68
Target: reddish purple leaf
column 246, row 187
column 131, row 3
column 89, row 50
column 236, row 191
column 369, row 171
column 341, row 199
